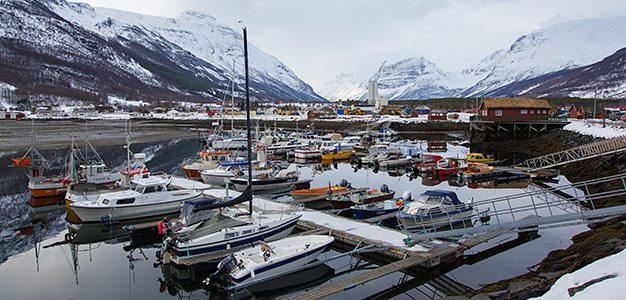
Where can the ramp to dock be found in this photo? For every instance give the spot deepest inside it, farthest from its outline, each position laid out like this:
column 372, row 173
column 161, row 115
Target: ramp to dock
column 353, row 281
column 583, row 152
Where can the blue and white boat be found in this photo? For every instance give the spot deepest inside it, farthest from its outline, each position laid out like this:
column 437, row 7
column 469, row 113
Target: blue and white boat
column 268, row 259
column 434, row 209
column 223, row 232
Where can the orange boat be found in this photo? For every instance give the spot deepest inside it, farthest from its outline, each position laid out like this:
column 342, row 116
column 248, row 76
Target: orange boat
column 208, row 160
column 316, row 193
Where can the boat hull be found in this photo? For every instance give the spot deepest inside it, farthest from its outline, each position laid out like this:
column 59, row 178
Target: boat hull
column 345, row 203
column 98, row 214
column 281, row 230
column 445, row 219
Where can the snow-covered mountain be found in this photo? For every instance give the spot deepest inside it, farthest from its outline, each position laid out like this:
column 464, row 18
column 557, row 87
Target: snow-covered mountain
column 559, row 47
column 606, row 78
column 343, row 87
column 539, row 55
column 75, row 48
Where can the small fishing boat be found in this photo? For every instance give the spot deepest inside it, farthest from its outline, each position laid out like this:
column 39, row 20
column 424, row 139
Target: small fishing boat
column 304, row 195
column 478, row 158
column 449, row 166
column 433, row 209
column 347, row 200
column 146, row 197
column 206, row 160
column 392, row 160
column 370, row 210
column 280, row 182
column 267, row 259
column 233, row 169
column 336, row 154
column 428, row 161
column 477, row 168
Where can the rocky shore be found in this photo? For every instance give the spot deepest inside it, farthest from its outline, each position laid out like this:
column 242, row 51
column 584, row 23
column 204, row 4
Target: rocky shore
column 602, row 239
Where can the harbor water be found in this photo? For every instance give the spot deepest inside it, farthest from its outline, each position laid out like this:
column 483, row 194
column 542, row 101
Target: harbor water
column 44, row 257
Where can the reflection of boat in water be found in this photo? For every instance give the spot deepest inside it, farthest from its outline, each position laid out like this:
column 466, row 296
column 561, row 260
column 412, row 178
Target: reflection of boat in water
column 45, row 201
column 89, row 233
column 267, row 259
column 437, row 147
column 177, row 278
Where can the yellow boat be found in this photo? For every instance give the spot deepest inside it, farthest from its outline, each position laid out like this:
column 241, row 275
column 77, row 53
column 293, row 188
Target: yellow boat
column 335, row 155
column 477, row 168
column 477, row 158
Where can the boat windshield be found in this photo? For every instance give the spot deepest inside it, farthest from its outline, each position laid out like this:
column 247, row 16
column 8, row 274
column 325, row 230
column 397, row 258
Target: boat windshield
column 434, row 199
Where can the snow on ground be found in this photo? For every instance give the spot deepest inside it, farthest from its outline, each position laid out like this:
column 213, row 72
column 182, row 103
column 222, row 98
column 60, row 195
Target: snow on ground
column 608, row 289
column 367, row 231
column 597, row 128
column 114, row 100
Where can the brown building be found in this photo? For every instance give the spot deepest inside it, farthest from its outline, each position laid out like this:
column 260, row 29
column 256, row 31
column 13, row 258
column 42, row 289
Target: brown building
column 514, row 109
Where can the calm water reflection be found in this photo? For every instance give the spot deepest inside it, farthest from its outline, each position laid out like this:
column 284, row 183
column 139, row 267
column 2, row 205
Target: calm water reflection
column 44, row 257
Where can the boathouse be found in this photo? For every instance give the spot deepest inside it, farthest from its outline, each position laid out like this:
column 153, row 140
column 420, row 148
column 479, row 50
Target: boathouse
column 504, row 118
column 514, row 109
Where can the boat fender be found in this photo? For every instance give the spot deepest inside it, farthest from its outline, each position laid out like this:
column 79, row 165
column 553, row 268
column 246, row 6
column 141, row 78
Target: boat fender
column 343, row 183
column 406, row 196
column 162, row 227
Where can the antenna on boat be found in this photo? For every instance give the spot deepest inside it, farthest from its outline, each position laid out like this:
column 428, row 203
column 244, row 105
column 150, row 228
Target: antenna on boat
column 245, row 54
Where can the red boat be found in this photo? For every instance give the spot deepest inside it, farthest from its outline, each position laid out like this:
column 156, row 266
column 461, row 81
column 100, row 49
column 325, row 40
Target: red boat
column 428, row 161
column 449, row 166
column 345, row 201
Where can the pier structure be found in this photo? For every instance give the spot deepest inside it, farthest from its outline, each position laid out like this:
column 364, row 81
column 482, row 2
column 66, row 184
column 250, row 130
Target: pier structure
column 513, row 128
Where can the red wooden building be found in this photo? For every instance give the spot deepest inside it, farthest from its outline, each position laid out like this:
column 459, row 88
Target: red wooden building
column 514, row 109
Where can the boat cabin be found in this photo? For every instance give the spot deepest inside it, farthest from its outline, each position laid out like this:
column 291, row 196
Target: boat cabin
column 433, row 202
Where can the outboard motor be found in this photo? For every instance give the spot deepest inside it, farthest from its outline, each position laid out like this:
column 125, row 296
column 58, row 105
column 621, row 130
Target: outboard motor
column 406, row 196
column 384, row 188
column 221, row 275
column 343, row 183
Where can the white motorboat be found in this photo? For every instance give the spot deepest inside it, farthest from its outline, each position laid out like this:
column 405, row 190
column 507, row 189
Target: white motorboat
column 280, row 182
column 227, row 170
column 146, row 197
column 268, row 259
column 207, row 160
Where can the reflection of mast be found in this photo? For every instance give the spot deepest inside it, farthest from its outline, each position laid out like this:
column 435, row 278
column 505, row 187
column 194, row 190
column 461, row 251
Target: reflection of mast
column 131, row 269
column 74, row 253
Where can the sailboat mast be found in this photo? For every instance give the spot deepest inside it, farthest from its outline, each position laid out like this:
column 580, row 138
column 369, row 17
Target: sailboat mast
column 245, row 54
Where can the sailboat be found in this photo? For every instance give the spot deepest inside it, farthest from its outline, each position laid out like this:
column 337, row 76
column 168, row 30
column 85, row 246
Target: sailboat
column 223, row 233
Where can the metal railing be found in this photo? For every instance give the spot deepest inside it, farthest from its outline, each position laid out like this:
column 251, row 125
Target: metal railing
column 583, row 152
column 530, row 211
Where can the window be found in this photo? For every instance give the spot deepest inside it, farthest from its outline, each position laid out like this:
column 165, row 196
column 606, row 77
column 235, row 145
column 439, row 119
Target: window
column 125, row 201
column 545, row 112
column 524, row 112
column 105, row 201
column 229, row 235
column 249, row 231
column 538, row 112
column 498, row 113
column 532, row 112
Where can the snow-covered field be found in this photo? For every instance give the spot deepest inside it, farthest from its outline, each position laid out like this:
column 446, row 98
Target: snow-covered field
column 608, row 289
column 597, row 128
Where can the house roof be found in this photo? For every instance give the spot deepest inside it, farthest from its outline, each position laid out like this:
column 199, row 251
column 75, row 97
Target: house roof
column 516, row 103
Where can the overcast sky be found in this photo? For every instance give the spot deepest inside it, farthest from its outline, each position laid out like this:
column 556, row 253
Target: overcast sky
column 319, row 39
